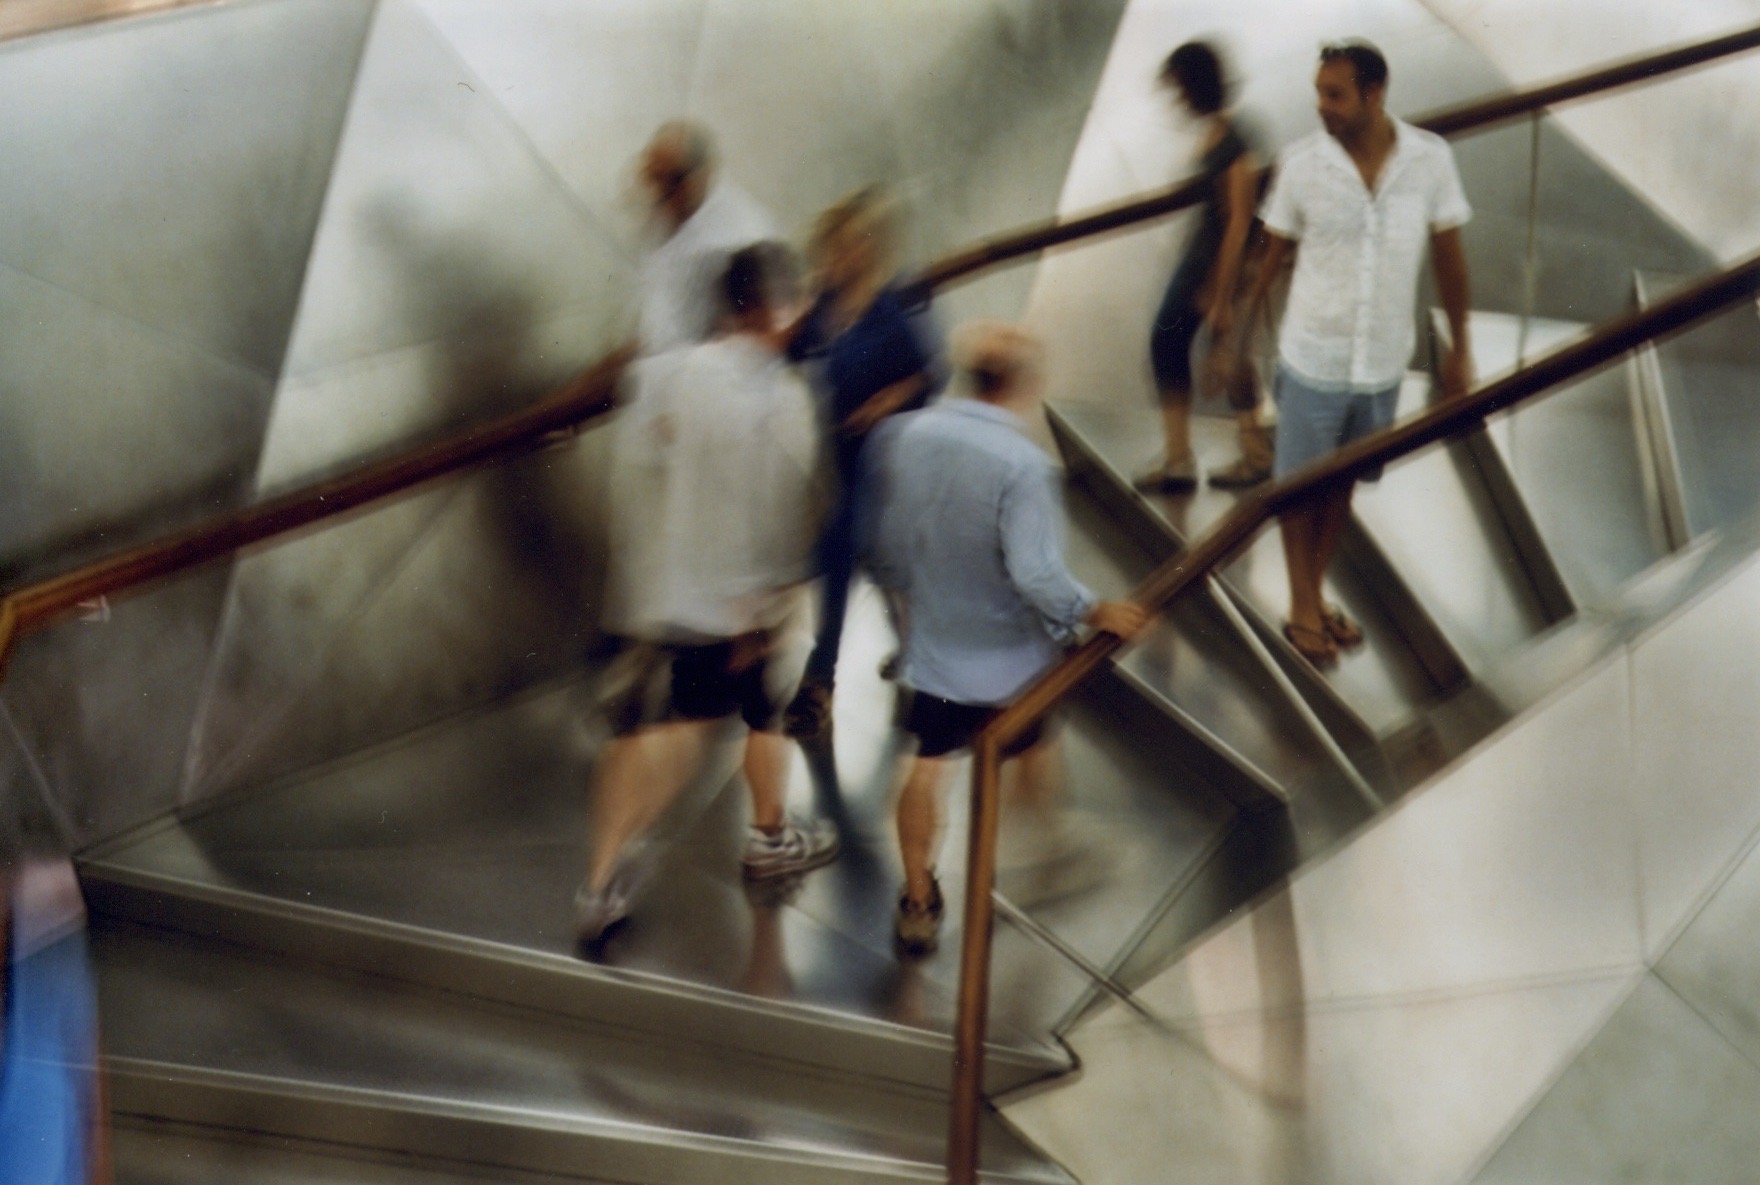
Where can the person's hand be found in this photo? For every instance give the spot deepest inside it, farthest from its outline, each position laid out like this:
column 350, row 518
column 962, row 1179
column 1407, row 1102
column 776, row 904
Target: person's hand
column 1222, row 366
column 1123, row 619
column 860, row 421
column 1220, row 319
column 1457, row 373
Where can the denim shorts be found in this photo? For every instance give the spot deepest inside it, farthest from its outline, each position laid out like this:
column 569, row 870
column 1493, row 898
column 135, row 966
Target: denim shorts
column 1312, row 422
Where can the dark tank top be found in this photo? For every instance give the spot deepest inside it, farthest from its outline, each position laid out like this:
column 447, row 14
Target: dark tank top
column 1206, row 241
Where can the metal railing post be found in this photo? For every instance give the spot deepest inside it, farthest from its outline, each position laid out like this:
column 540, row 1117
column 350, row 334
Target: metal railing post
column 974, row 969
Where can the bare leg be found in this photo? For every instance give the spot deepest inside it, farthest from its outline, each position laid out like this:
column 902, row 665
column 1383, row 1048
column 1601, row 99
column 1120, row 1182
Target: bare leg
column 766, row 766
column 1176, row 425
column 1037, row 780
column 638, row 777
column 1300, row 529
column 1335, row 511
column 919, row 821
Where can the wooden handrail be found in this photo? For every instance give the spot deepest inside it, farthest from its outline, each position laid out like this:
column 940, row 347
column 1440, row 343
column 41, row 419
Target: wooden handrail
column 1478, row 115
column 585, row 398
column 1442, row 422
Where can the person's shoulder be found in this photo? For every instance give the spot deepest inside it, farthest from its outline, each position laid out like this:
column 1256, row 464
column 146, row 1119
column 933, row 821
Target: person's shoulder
column 1300, row 150
column 1425, row 142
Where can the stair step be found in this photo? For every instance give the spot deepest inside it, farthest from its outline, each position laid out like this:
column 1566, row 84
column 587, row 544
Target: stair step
column 200, row 1033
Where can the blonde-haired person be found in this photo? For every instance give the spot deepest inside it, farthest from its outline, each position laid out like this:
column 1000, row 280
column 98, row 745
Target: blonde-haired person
column 878, row 354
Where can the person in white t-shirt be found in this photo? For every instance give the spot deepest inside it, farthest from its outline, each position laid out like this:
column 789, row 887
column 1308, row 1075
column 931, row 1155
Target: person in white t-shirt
column 722, row 442
column 1358, row 204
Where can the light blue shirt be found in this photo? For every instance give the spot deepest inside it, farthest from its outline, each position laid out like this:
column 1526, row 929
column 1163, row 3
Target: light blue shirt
column 968, row 530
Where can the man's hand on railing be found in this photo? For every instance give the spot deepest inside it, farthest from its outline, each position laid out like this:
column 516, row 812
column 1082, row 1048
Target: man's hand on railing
column 1123, row 619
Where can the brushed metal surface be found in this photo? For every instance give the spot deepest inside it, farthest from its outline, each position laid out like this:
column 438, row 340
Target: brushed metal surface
column 1382, row 683
column 150, row 1152
column 198, row 1033
column 1435, row 519
column 104, row 705
column 1408, row 1092
column 1704, row 377
column 1656, row 1096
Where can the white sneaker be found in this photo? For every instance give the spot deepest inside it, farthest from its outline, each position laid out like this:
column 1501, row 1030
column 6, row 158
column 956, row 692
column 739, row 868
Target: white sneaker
column 596, row 913
column 798, row 847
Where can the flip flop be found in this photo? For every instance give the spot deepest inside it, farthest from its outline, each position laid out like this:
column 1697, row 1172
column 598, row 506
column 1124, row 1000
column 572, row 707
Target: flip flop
column 1314, row 645
column 1341, row 629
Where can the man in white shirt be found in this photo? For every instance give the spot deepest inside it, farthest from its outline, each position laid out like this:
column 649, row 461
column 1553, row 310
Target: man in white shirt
column 1357, row 204
column 701, row 221
column 721, row 441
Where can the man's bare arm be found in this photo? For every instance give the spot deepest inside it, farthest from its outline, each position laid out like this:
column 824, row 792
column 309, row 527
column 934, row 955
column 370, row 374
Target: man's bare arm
column 1450, row 261
column 1277, row 254
column 1242, row 184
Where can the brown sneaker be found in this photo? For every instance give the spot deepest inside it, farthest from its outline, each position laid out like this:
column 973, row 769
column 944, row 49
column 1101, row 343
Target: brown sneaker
column 918, row 926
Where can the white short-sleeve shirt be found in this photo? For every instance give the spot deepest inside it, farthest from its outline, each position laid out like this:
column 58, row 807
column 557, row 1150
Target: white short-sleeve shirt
column 1349, row 324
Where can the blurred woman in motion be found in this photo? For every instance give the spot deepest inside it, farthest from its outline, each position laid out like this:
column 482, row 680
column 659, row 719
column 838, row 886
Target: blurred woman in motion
column 879, row 355
column 1201, row 294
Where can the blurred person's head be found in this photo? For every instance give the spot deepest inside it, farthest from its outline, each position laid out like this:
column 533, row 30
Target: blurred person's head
column 676, row 169
column 1196, row 73
column 854, row 243
column 759, row 288
column 1351, row 86
column 999, row 361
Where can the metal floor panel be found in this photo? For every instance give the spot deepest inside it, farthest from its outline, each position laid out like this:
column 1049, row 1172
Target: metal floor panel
column 1383, row 681
column 149, row 1153
column 476, row 830
column 203, row 1033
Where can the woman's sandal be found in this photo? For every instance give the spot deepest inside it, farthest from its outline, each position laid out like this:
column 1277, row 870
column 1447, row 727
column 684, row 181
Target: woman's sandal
column 1314, row 645
column 1341, row 629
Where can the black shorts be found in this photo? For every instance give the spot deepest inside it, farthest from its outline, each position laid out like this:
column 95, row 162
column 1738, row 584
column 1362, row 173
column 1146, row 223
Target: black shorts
column 706, row 687
column 942, row 726
column 648, row 683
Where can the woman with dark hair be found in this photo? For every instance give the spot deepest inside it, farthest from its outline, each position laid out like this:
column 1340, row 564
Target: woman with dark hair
column 1201, row 292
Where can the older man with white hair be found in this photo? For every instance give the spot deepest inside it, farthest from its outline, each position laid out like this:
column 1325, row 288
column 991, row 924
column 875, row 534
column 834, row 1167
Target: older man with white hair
column 968, row 531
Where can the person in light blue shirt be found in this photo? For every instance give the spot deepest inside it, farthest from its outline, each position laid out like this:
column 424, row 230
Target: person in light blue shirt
column 966, row 528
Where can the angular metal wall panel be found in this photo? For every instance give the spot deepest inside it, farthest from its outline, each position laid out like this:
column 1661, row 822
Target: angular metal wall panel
column 1694, row 686
column 1465, row 885
column 165, row 177
column 441, row 602
column 102, row 419
column 105, row 706
column 170, row 168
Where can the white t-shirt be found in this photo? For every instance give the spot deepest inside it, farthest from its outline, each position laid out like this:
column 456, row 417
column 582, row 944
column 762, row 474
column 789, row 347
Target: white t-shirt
column 715, row 492
column 678, row 278
column 1349, row 323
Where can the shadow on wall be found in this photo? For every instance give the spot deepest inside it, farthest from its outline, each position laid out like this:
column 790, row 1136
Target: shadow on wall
column 486, row 364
